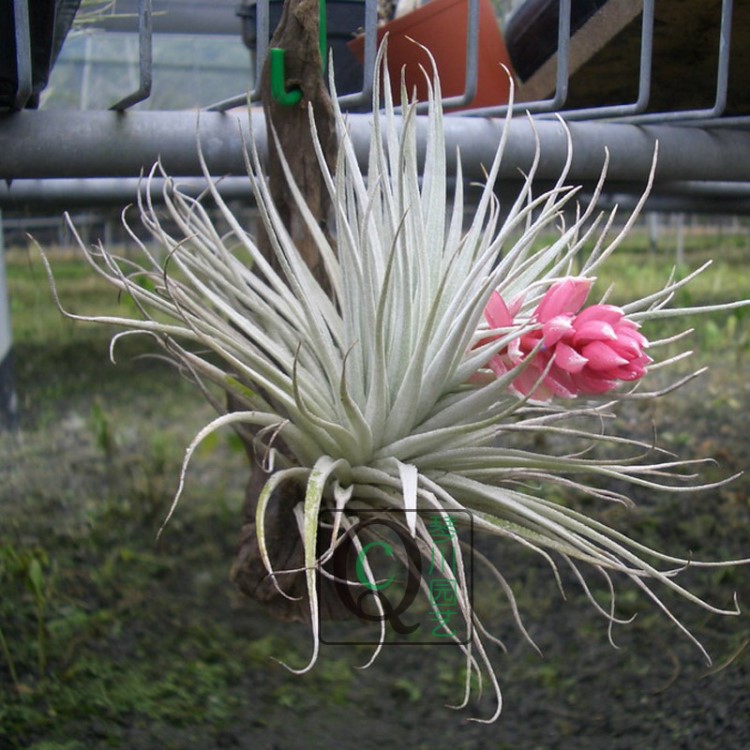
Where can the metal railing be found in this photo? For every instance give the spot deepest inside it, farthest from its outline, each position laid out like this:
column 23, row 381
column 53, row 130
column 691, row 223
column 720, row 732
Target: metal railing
column 633, row 112
column 714, row 149
column 145, row 59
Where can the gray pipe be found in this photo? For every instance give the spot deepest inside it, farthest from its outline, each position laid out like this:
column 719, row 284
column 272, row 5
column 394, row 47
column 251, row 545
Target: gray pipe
column 38, row 144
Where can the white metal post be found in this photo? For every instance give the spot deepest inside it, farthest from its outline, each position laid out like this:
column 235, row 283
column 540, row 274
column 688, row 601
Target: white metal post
column 8, row 402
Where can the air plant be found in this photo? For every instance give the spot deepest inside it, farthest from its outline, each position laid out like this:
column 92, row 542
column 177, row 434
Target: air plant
column 396, row 385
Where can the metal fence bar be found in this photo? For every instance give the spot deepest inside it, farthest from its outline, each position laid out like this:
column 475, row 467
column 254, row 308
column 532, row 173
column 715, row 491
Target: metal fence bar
column 562, row 75
column 472, row 61
column 722, row 81
column 262, row 38
column 364, row 97
column 563, row 65
column 262, row 33
column 736, row 121
column 644, row 76
column 347, row 101
column 24, row 74
column 230, row 103
column 633, row 112
column 145, row 59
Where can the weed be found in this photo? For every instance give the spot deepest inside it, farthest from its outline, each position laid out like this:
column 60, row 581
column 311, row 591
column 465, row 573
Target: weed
column 103, row 429
column 31, row 570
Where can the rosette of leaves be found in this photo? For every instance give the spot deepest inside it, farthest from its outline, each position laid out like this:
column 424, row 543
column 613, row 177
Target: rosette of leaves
column 378, row 394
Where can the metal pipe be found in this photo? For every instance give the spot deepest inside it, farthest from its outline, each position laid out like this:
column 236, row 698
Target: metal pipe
column 114, row 193
column 64, row 194
column 731, row 205
column 96, row 144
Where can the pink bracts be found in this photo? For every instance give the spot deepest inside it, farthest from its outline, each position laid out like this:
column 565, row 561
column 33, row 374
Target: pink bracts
column 574, row 351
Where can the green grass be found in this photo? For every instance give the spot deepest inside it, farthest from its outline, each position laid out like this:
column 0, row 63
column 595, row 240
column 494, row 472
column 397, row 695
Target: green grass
column 110, row 639
column 97, row 619
column 634, row 272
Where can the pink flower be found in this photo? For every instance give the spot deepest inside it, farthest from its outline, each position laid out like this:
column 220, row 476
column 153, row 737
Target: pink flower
column 589, row 351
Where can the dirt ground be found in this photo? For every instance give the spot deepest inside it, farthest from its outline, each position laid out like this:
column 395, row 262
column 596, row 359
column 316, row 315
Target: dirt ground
column 149, row 645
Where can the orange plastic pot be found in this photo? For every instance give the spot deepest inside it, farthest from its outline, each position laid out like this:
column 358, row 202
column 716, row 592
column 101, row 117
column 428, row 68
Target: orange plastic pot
column 441, row 26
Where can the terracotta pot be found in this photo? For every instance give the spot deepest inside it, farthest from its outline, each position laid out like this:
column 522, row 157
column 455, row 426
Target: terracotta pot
column 441, row 26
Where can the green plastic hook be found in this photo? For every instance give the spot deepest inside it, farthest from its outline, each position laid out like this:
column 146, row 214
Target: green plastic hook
column 278, row 80
column 278, row 66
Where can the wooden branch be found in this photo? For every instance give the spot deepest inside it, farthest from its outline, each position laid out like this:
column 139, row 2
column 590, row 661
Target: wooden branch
column 297, row 35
